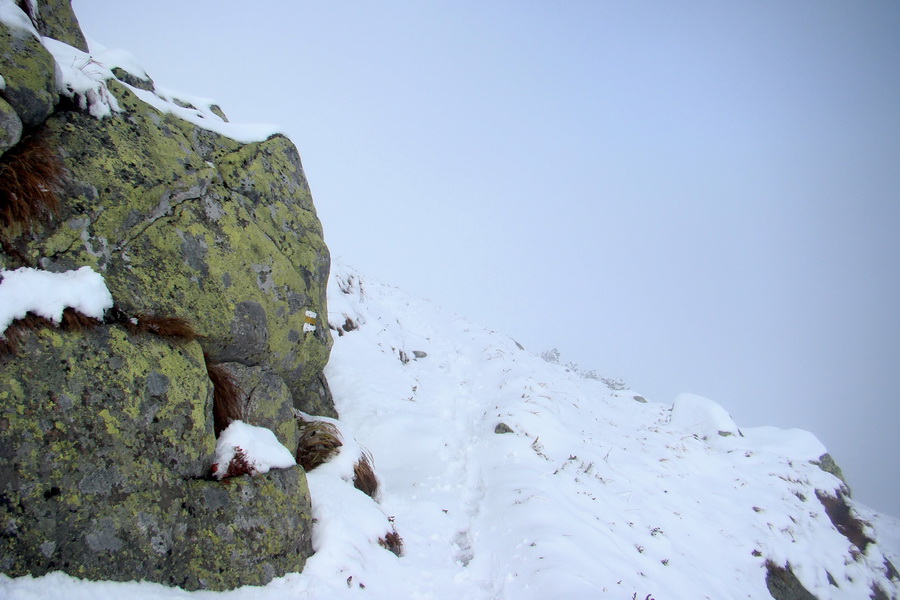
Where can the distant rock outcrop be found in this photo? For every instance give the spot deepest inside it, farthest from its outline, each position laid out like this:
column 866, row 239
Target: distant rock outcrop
column 106, row 434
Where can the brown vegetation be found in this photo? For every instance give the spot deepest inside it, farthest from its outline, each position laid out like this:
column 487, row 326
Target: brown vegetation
column 319, row 441
column 31, row 176
column 227, row 396
column 72, row 320
column 393, row 542
column 364, row 478
column 171, row 328
column 239, row 465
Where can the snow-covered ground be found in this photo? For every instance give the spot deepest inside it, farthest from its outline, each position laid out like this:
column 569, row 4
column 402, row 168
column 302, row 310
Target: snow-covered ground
column 591, row 493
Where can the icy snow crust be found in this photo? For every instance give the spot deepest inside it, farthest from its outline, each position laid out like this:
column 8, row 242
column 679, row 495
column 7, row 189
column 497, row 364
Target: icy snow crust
column 593, row 495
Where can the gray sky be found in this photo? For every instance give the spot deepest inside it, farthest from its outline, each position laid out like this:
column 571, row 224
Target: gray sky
column 692, row 196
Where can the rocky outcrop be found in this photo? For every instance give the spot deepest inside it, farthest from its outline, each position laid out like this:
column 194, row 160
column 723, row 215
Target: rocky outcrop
column 105, row 476
column 106, row 434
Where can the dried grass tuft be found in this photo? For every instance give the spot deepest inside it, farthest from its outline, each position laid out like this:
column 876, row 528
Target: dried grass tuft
column 319, row 442
column 227, row 396
column 31, row 176
column 171, row 328
column 72, row 320
column 392, row 540
column 364, row 478
column 16, row 331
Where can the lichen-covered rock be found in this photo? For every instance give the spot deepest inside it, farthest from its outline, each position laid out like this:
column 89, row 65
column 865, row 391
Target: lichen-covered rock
column 133, row 80
column 260, row 526
column 827, row 463
column 784, row 585
column 193, row 224
column 29, row 72
column 57, row 20
column 107, row 436
column 105, row 443
column 266, row 402
column 10, row 126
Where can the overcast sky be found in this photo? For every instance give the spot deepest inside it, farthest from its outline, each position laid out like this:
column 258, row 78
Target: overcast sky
column 692, row 196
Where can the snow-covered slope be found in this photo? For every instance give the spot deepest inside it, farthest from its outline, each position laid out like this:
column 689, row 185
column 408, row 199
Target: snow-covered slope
column 593, row 493
column 512, row 478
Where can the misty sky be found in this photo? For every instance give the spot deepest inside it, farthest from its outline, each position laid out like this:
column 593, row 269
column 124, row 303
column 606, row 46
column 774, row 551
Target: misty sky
column 692, row 196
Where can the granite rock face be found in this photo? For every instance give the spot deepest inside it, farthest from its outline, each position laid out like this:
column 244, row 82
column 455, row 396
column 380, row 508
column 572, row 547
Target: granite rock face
column 106, row 433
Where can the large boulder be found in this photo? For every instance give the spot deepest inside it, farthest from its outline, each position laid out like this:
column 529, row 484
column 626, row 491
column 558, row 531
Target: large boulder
column 189, row 223
column 105, row 446
column 29, row 73
column 107, row 435
column 266, row 402
column 56, row 19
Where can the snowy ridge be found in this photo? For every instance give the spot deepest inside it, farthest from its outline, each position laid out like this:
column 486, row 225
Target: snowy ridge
column 592, row 493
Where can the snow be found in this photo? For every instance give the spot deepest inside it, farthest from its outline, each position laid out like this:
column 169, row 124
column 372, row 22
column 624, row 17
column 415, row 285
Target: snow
column 82, row 78
column 13, row 16
column 196, row 110
column 592, row 495
column 115, row 57
column 702, row 416
column 260, row 447
column 48, row 294
column 202, row 116
column 78, row 75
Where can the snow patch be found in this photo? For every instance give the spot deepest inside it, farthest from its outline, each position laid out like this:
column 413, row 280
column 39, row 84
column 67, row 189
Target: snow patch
column 199, row 112
column 48, row 294
column 259, row 446
column 14, row 17
column 82, row 78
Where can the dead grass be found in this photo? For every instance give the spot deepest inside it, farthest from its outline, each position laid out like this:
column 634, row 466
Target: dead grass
column 319, row 441
column 18, row 329
column 171, row 328
column 364, row 478
column 31, row 176
column 227, row 396
column 392, row 540
column 72, row 320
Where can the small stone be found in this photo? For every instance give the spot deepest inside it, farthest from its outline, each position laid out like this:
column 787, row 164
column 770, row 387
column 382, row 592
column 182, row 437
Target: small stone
column 502, row 428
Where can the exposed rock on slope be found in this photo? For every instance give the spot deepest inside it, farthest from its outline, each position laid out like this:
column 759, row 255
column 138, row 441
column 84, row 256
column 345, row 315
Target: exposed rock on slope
column 106, row 435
